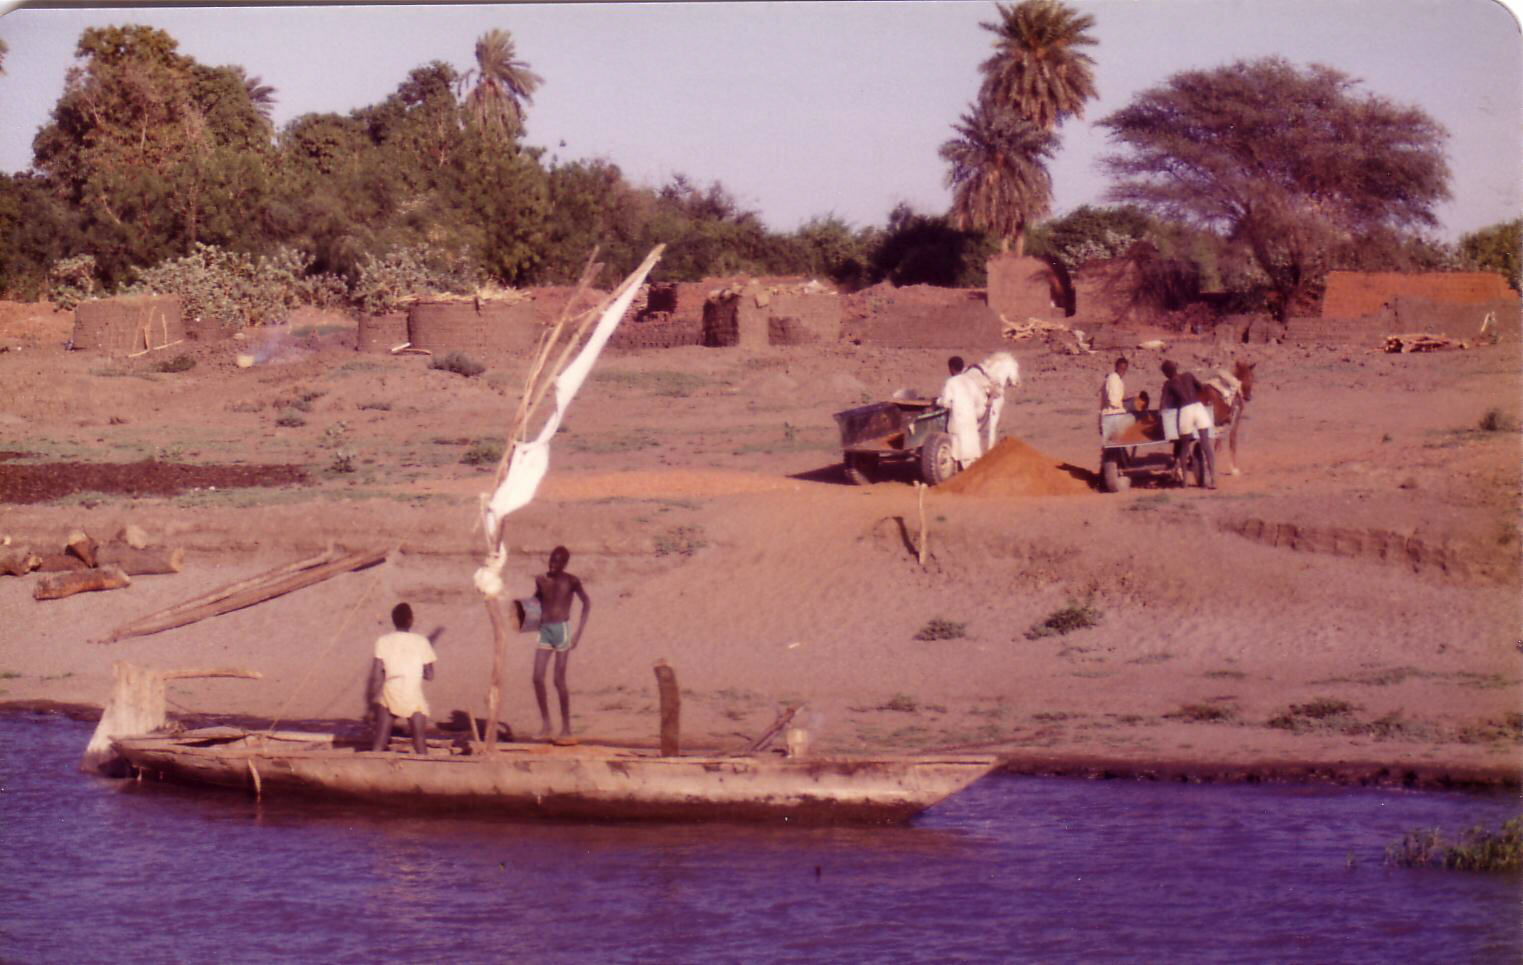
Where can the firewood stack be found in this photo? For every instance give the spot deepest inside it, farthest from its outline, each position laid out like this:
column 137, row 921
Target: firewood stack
column 83, row 564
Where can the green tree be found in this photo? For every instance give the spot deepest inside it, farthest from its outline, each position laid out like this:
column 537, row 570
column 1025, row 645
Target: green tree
column 154, row 151
column 917, row 249
column 1090, row 233
column 1294, row 165
column 503, row 85
column 1037, row 67
column 1495, row 249
column 998, row 172
column 36, row 230
column 4, row 49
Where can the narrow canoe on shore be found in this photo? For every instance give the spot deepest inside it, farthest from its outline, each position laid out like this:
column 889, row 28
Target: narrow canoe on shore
column 583, row 781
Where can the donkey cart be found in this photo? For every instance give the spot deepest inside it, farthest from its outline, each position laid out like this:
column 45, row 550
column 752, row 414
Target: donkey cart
column 1140, row 447
column 903, row 432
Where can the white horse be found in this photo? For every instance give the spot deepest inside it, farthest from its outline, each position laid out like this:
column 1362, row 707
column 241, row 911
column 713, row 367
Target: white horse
column 976, row 398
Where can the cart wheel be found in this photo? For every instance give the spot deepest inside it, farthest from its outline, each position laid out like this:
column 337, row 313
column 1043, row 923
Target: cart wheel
column 936, row 462
column 1110, row 474
column 859, row 468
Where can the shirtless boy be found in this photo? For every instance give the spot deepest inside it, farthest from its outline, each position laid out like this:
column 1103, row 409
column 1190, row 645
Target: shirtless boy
column 555, row 590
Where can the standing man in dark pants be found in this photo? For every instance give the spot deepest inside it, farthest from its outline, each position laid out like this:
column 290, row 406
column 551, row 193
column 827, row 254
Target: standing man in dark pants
column 555, row 591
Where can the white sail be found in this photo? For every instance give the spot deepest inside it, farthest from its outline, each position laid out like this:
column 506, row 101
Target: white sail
column 531, row 458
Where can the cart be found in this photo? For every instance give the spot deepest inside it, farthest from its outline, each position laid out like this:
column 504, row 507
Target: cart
column 903, row 432
column 1139, row 446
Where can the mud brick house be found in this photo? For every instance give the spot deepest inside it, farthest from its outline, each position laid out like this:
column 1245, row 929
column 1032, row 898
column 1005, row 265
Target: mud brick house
column 1362, row 308
column 128, row 325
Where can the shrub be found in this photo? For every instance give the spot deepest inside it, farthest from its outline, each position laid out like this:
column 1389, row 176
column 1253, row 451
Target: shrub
column 1495, row 421
column 343, row 461
column 290, row 420
column 1204, row 713
column 484, row 452
column 233, row 289
column 71, row 281
column 460, row 364
column 180, row 363
column 1478, row 849
column 1074, row 616
column 680, row 541
column 390, row 282
column 903, row 703
column 939, row 629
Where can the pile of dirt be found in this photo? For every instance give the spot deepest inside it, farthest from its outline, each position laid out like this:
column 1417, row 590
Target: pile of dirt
column 1013, row 468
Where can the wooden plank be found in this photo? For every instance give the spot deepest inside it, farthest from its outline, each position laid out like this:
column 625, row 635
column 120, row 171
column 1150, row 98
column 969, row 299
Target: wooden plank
column 671, row 710
column 256, row 594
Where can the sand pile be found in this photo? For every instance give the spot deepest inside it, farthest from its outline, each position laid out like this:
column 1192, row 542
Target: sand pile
column 1013, row 468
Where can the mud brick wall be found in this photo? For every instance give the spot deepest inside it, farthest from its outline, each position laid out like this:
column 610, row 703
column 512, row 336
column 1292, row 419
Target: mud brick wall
column 657, row 331
column 1105, row 293
column 1021, row 288
column 755, row 317
column 483, row 329
column 1355, row 294
column 129, row 324
column 381, row 333
column 1413, row 314
column 1363, row 333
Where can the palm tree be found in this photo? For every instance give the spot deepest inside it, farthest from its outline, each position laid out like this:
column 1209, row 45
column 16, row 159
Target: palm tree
column 503, row 85
column 1037, row 67
column 261, row 95
column 998, row 173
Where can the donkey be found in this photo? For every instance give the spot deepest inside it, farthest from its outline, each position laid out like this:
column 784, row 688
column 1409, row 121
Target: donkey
column 1228, row 395
column 979, row 398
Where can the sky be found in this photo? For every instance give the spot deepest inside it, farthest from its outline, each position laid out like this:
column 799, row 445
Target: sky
column 811, row 109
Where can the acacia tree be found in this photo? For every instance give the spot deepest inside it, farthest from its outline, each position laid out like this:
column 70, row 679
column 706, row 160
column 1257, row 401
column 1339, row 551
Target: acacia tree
column 1495, row 249
column 998, row 173
column 504, row 84
column 1295, row 165
column 1037, row 66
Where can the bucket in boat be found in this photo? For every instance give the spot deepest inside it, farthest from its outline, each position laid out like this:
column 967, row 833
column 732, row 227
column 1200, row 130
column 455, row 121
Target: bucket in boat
column 527, row 613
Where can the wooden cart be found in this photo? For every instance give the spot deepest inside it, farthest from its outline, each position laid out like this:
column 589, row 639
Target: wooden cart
column 903, row 431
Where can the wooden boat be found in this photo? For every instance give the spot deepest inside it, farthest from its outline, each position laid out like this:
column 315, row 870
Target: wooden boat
column 583, row 781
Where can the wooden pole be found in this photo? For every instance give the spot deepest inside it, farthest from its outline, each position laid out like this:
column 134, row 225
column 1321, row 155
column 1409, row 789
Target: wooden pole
column 671, row 709
column 920, row 489
column 500, row 637
column 783, row 719
column 224, row 592
column 250, row 596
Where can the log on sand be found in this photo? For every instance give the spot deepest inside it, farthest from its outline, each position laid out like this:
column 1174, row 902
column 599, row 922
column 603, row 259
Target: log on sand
column 244, row 594
column 133, row 562
column 81, row 545
column 142, row 561
column 137, row 707
column 60, row 585
column 18, row 562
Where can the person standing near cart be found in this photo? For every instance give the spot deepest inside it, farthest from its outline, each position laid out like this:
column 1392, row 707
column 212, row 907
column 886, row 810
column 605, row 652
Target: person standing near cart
column 1181, row 392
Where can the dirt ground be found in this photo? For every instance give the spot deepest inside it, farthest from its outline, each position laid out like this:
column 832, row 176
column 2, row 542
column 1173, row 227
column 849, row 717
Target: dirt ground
column 1348, row 606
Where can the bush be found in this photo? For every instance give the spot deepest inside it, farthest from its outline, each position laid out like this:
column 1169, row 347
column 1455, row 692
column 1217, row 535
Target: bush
column 680, row 541
column 71, row 281
column 180, row 363
column 402, row 275
column 1495, row 421
column 1478, row 849
column 1074, row 616
column 343, row 461
column 483, row 452
column 232, row 289
column 460, row 364
column 290, row 420
column 939, row 629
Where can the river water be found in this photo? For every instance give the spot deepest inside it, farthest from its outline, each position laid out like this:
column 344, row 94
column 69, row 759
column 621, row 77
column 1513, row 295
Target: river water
column 1012, row 869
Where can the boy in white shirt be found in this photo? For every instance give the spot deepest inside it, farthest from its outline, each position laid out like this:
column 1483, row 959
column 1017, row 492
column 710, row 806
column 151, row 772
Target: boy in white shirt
column 403, row 660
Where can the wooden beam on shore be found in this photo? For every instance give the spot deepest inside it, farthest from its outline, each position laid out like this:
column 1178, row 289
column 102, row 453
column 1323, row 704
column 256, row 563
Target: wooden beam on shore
column 60, row 585
column 248, row 593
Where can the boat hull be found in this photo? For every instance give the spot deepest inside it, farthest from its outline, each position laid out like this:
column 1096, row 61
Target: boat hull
column 581, row 782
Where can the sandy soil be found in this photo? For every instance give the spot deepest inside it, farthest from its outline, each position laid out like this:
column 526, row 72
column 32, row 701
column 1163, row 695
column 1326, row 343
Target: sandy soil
column 1347, row 606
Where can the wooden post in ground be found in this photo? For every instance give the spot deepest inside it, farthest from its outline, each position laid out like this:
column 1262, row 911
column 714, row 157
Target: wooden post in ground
column 499, row 667
column 920, row 489
column 137, row 706
column 671, row 709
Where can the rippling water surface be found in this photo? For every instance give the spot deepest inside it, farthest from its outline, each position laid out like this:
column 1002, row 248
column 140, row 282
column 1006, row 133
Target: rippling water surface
column 1014, row 868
